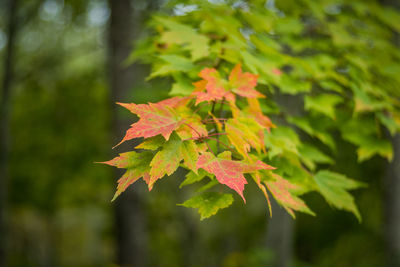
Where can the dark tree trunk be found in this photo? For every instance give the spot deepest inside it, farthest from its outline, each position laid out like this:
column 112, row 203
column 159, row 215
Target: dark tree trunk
column 128, row 212
column 281, row 227
column 392, row 187
column 392, row 207
column 4, row 126
column 126, row 23
column 393, row 3
column 280, row 236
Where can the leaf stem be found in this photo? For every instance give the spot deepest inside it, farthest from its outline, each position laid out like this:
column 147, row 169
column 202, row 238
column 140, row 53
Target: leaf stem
column 192, row 129
column 222, row 143
column 212, row 119
column 216, row 134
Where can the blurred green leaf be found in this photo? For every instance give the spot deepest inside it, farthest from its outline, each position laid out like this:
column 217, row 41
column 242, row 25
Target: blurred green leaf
column 334, row 186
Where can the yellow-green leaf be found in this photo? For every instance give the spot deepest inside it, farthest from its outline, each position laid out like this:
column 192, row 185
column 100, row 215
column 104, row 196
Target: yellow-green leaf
column 167, row 160
column 324, row 103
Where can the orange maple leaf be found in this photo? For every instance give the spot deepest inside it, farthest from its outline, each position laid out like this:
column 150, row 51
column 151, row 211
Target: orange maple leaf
column 211, row 88
column 155, row 119
column 243, row 83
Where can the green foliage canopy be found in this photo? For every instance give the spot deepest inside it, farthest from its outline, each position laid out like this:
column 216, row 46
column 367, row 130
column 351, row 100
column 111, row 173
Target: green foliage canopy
column 329, row 70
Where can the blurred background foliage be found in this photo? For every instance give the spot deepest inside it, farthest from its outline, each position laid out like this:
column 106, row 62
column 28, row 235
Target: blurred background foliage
column 58, row 201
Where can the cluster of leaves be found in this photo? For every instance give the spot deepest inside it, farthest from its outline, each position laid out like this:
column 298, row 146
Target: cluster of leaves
column 208, row 133
column 322, row 67
column 218, row 131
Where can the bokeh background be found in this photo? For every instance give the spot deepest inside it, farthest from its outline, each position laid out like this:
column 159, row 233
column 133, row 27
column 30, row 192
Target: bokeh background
column 62, row 68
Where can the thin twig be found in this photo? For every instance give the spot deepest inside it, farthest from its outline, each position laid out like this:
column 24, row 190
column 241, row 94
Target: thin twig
column 220, row 108
column 215, row 126
column 209, row 148
column 222, row 143
column 216, row 134
column 209, row 122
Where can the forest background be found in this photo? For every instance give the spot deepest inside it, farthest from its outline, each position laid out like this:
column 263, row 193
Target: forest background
column 63, row 68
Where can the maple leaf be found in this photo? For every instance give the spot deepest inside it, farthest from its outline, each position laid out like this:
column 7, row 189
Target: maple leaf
column 281, row 190
column 172, row 102
column 137, row 165
column 209, row 203
column 175, row 102
column 190, row 154
column 254, row 110
column 193, row 177
column 227, row 171
column 333, row 187
column 167, row 160
column 153, row 143
column 172, row 64
column 185, row 36
column 200, row 85
column 243, row 133
column 191, row 126
column 192, row 129
column 155, row 119
column 243, row 83
column 213, row 85
column 257, row 179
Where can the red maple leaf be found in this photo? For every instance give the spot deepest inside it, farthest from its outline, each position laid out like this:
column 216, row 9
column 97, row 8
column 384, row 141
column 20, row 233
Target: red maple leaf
column 213, row 86
column 155, row 119
column 243, row 83
column 175, row 102
column 229, row 172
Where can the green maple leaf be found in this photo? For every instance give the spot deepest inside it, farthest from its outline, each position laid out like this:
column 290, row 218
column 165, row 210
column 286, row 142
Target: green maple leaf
column 190, row 154
column 209, row 203
column 172, row 64
column 181, row 34
column 152, row 143
column 334, row 188
column 167, row 160
column 363, row 133
column 324, row 103
column 192, row 177
column 310, row 155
